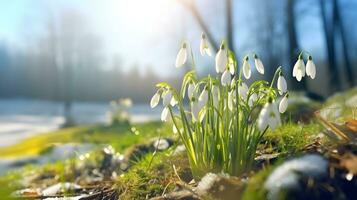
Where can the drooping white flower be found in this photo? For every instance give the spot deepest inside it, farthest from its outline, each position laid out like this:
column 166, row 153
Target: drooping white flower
column 174, row 129
column 246, row 68
column 231, row 66
column 281, row 84
column 269, row 116
column 204, row 47
column 231, row 100
column 203, row 98
column 165, row 114
column 226, row 78
column 181, row 57
column 283, row 105
column 310, row 68
column 299, row 69
column 166, row 98
column 258, row 64
column 173, row 101
column 191, row 90
column 155, row 100
column 221, row 59
column 252, row 99
column 243, row 91
column 196, row 107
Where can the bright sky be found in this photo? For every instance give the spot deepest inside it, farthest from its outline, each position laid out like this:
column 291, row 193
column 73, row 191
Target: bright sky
column 142, row 32
column 133, row 29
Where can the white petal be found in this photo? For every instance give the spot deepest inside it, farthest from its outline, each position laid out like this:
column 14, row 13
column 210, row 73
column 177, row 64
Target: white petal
column 310, row 69
column 181, row 57
column 221, row 60
column 263, row 118
column 191, row 91
column 226, row 78
column 281, row 85
column 173, row 101
column 203, row 97
column 165, row 114
column 166, row 98
column 174, row 129
column 231, row 65
column 297, row 66
column 283, row 105
column 246, row 69
column 204, row 48
column 195, row 109
column 231, row 98
column 299, row 75
column 155, row 100
column 259, row 65
column 252, row 99
column 273, row 116
column 243, row 91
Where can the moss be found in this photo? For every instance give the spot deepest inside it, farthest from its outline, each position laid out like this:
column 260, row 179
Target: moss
column 152, row 176
column 291, row 138
column 120, row 137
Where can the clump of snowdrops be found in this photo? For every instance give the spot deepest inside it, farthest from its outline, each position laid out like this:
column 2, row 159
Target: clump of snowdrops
column 119, row 111
column 220, row 119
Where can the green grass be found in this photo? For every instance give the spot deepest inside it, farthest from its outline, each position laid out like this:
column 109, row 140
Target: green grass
column 291, row 138
column 152, row 176
column 120, row 137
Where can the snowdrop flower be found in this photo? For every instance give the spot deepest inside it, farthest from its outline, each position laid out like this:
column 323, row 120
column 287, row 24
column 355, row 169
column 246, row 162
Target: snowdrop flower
column 181, row 57
column 243, row 91
column 310, row 68
column 203, row 98
column 173, row 101
column 231, row 66
column 191, row 90
column 283, row 105
column 258, row 64
column 252, row 99
column 221, row 59
column 269, row 116
column 165, row 114
column 166, row 98
column 299, row 69
column 196, row 107
column 174, row 129
column 246, row 68
column 226, row 78
column 204, row 48
column 155, row 100
column 281, row 84
column 231, row 99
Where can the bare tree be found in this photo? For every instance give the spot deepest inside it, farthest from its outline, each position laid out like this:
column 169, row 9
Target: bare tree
column 340, row 27
column 329, row 30
column 293, row 42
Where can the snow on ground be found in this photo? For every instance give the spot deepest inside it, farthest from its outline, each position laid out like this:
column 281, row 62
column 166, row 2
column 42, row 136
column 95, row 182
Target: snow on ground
column 22, row 118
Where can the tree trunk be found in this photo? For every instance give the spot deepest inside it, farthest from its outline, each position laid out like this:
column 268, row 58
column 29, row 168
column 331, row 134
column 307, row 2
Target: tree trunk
column 347, row 61
column 229, row 25
column 334, row 78
column 293, row 44
column 202, row 24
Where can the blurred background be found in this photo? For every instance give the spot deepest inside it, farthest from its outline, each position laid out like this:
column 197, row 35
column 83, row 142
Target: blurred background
column 63, row 61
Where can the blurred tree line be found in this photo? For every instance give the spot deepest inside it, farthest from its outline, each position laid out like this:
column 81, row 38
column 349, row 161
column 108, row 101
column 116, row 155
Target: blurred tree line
column 277, row 27
column 67, row 63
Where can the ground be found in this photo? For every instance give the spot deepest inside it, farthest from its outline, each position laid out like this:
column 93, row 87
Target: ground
column 152, row 172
